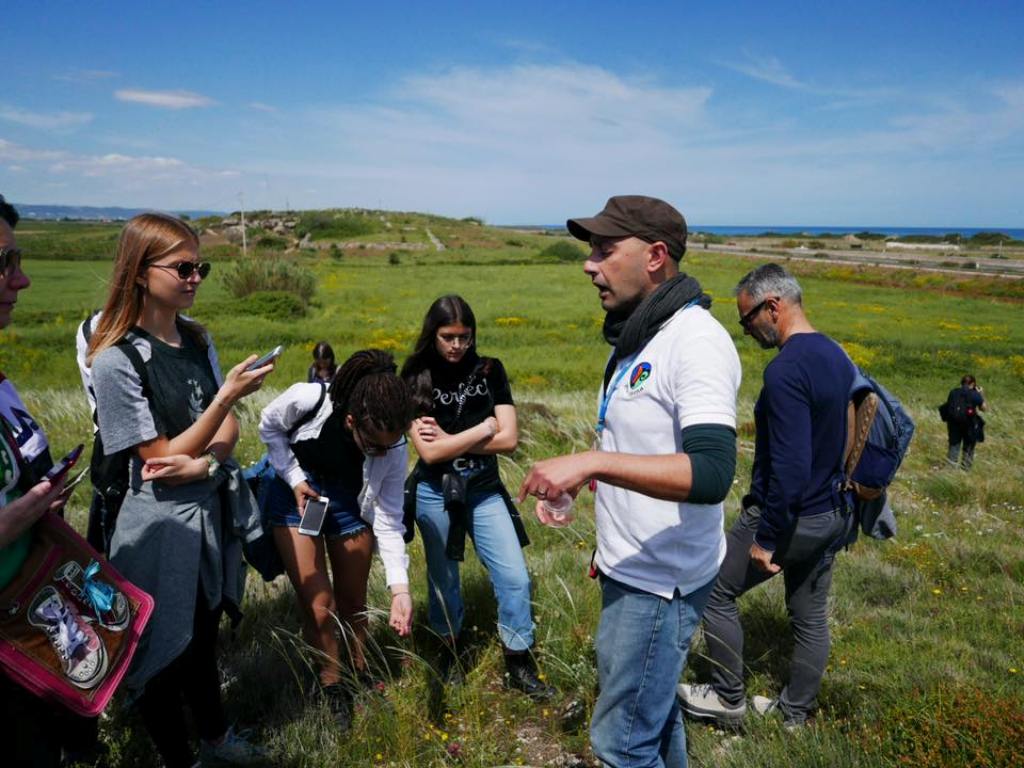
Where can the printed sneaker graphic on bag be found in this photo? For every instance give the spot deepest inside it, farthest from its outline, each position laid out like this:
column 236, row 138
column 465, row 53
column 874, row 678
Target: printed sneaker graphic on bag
column 95, row 600
column 80, row 650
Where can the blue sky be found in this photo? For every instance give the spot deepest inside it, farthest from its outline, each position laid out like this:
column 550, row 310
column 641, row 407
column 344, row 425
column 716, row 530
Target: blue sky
column 906, row 113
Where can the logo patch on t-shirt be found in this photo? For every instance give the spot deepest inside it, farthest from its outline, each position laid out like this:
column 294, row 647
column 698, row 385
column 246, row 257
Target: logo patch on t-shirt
column 638, row 376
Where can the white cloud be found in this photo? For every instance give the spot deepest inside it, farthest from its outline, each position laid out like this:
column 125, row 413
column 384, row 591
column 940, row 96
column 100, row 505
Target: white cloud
column 9, row 151
column 767, row 69
column 164, row 99
column 47, row 121
column 259, row 106
column 85, row 75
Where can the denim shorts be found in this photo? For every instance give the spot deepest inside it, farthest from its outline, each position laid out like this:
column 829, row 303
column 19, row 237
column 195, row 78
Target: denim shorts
column 342, row 513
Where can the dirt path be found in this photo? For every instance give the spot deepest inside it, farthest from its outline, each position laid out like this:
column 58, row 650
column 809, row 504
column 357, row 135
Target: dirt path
column 1012, row 268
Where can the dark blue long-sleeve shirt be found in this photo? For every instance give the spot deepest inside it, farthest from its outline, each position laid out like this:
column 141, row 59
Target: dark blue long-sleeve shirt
column 800, row 418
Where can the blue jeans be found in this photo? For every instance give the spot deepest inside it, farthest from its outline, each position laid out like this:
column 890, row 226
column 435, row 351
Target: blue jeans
column 494, row 538
column 642, row 643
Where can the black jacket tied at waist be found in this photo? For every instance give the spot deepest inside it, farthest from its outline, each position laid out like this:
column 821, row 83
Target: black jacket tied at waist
column 456, row 487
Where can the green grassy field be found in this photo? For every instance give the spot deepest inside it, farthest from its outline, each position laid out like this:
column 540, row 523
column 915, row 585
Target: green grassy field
column 927, row 664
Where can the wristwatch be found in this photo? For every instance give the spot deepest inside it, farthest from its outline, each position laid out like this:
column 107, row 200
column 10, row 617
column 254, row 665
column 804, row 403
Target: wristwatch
column 214, row 464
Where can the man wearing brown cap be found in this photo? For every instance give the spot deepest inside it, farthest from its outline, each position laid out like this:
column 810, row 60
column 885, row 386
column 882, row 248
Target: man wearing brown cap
column 663, row 461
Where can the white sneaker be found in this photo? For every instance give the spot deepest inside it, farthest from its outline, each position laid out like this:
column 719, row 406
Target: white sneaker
column 766, row 707
column 701, row 702
column 81, row 652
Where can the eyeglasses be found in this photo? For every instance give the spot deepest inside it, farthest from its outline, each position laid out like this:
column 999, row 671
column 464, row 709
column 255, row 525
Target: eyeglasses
column 463, row 339
column 186, row 268
column 371, row 448
column 747, row 318
column 10, row 259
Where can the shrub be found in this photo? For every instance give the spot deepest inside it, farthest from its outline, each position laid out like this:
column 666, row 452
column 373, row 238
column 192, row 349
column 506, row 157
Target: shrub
column 816, row 245
column 563, row 250
column 221, row 252
column 789, row 244
column 394, row 259
column 273, row 305
column 271, row 242
column 324, row 225
column 262, row 273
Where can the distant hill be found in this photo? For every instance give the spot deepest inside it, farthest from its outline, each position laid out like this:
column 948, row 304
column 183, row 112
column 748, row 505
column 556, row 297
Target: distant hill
column 90, row 213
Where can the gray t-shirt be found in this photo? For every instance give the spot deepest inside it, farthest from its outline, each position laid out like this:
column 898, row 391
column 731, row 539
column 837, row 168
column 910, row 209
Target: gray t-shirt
column 125, row 420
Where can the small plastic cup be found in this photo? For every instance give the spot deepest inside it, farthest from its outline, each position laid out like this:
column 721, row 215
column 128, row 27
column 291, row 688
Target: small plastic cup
column 559, row 510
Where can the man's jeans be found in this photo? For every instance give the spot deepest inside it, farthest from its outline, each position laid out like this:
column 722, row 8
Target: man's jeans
column 642, row 642
column 806, row 558
column 494, row 538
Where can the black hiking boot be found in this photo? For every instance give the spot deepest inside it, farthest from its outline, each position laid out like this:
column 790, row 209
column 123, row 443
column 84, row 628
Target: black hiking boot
column 450, row 662
column 339, row 701
column 521, row 675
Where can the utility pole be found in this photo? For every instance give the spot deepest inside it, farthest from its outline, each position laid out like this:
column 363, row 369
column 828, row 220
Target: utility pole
column 241, row 206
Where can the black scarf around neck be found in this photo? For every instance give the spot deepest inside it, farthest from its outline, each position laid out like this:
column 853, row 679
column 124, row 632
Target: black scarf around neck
column 629, row 330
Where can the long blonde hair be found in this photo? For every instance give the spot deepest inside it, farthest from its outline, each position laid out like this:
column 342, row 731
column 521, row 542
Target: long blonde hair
column 145, row 239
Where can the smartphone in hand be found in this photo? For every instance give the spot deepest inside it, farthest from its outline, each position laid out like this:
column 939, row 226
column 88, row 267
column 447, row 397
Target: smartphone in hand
column 58, row 470
column 71, row 484
column 313, row 516
column 271, row 355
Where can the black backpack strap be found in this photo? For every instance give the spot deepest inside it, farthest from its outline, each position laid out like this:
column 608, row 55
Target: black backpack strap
column 308, row 416
column 87, row 325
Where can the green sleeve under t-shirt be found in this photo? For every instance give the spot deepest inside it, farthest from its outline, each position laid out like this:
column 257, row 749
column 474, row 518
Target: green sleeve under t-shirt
column 712, row 452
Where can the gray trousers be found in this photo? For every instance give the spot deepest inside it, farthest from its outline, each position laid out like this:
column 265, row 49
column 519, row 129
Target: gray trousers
column 806, row 560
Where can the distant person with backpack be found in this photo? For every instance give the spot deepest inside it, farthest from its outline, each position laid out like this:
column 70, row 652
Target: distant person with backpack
column 963, row 421
column 345, row 442
column 174, row 535
column 323, row 367
column 797, row 513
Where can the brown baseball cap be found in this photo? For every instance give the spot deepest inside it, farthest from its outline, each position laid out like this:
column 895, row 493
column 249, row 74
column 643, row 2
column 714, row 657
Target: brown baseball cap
column 647, row 218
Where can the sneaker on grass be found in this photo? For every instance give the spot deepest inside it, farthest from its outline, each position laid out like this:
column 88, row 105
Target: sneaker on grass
column 701, row 702
column 767, row 707
column 233, row 750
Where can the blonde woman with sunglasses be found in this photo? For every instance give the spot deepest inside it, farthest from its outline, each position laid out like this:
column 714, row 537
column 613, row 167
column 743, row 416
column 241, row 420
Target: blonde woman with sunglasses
column 171, row 537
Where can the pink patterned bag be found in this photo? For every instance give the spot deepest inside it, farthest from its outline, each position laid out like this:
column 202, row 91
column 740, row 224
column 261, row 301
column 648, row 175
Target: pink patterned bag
column 69, row 622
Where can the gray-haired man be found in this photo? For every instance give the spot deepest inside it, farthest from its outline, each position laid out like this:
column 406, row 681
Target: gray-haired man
column 795, row 516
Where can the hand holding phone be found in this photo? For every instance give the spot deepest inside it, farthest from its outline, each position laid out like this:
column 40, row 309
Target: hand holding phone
column 313, row 516
column 58, row 470
column 271, row 355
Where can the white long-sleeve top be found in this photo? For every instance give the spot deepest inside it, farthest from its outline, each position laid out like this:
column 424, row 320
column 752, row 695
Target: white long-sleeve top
column 382, row 494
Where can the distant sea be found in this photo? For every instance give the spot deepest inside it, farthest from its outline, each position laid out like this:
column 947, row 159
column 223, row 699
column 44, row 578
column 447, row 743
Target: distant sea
column 729, row 230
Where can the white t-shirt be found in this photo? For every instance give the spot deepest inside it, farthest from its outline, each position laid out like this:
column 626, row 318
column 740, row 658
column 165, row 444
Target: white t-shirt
column 688, row 374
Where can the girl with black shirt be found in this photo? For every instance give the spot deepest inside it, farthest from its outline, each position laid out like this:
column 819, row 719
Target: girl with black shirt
column 172, row 537
column 467, row 417
column 346, row 443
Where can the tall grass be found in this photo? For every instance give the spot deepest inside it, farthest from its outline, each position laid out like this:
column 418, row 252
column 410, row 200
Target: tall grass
column 927, row 664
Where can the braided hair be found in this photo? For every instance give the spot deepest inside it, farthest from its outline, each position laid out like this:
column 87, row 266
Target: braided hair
column 367, row 386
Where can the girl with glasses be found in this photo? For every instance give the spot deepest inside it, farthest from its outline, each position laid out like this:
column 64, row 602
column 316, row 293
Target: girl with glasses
column 344, row 442
column 466, row 418
column 171, row 538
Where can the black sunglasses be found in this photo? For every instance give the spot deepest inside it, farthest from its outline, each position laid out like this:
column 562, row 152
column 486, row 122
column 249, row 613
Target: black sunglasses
column 186, row 268
column 745, row 320
column 9, row 258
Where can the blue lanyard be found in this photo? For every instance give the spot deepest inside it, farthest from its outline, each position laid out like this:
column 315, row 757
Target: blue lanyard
column 606, row 397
